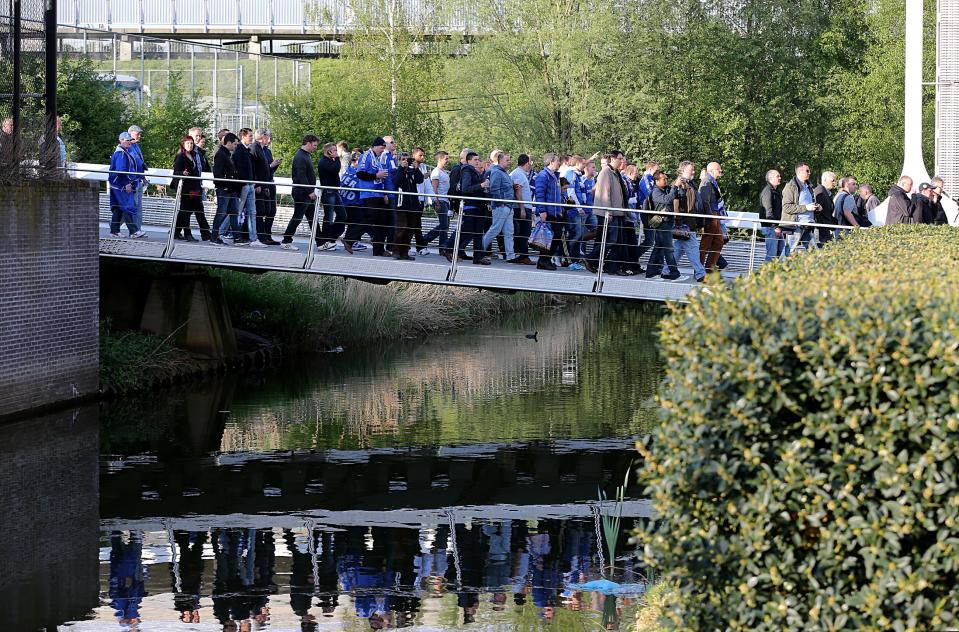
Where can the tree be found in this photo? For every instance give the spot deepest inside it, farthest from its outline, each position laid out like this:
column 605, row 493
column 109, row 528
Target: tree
column 93, row 111
column 166, row 121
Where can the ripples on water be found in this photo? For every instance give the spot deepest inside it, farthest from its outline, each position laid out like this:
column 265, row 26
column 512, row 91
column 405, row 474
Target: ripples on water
column 419, row 483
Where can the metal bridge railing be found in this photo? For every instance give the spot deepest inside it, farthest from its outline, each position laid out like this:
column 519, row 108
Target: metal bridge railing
column 743, row 232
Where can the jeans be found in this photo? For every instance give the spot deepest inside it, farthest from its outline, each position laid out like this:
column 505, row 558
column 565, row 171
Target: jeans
column 775, row 246
column 801, row 237
column 442, row 228
column 575, row 229
column 138, row 211
column 334, row 216
column 247, row 206
column 662, row 246
column 122, row 215
column 227, row 209
column 502, row 223
column 690, row 248
column 649, row 235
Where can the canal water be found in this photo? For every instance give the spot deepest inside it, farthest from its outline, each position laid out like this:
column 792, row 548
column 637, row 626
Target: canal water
column 439, row 484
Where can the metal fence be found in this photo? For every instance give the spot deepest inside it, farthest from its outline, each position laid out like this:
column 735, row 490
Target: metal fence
column 28, row 89
column 234, row 81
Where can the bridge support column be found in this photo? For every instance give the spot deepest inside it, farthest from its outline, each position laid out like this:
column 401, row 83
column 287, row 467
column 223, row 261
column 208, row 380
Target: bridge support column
column 124, row 48
column 254, row 47
column 192, row 310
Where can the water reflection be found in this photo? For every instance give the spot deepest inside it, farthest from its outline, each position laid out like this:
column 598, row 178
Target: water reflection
column 484, row 571
column 430, row 482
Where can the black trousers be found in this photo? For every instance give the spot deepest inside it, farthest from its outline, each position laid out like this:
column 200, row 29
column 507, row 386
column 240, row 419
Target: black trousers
column 265, row 213
column 192, row 205
column 378, row 220
column 521, row 231
column 302, row 207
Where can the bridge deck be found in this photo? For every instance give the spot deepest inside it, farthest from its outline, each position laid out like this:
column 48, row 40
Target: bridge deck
column 433, row 269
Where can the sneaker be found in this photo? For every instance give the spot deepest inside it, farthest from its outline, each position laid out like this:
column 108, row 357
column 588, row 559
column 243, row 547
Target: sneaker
column 241, row 242
column 217, row 241
column 139, row 235
column 330, row 245
column 114, row 234
column 680, row 278
column 423, row 252
column 257, row 244
column 576, row 266
column 289, row 246
column 359, row 246
column 226, row 241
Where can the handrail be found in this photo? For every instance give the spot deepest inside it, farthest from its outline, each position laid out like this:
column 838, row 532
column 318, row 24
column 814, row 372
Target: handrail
column 564, row 205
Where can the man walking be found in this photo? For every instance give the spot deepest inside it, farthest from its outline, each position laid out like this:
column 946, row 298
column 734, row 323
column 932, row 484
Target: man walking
column 373, row 175
column 439, row 184
column 826, row 212
column 686, row 229
column 228, row 189
column 711, row 200
column 264, row 168
column 409, row 210
column 243, row 161
column 548, row 196
column 472, row 184
column 501, row 188
column 123, row 188
column 771, row 207
column 901, row 210
column 844, row 207
column 523, row 211
column 334, row 213
column 799, row 207
column 304, row 197
column 610, row 199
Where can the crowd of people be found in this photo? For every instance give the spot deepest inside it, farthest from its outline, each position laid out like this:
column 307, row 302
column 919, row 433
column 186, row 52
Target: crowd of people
column 574, row 211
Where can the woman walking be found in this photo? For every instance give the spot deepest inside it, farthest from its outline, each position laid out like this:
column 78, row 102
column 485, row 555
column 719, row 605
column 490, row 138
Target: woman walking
column 191, row 196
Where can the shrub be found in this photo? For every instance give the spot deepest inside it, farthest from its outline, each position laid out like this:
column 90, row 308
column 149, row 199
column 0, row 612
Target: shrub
column 805, row 473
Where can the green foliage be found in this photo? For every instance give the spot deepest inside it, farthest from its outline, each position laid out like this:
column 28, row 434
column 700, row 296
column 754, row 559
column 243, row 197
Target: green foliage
column 805, row 471
column 93, row 112
column 165, row 121
column 134, row 361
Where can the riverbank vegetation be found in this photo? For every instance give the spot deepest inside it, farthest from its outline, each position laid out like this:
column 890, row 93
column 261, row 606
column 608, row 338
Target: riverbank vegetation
column 805, row 469
column 313, row 313
column 135, row 360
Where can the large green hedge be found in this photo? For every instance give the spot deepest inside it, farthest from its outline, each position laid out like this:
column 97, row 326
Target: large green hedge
column 806, row 471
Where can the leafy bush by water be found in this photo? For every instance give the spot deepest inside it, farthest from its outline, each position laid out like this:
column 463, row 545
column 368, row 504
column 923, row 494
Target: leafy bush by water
column 805, row 473
column 134, row 360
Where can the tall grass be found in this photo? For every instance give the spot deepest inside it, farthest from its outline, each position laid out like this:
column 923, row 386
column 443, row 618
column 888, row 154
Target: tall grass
column 135, row 361
column 314, row 312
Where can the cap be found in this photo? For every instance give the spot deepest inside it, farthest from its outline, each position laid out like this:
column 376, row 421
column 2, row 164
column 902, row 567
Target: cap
column 378, row 142
column 125, row 136
column 925, row 186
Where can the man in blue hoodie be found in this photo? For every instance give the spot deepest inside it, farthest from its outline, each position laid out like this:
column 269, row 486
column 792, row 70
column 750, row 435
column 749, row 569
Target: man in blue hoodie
column 548, row 196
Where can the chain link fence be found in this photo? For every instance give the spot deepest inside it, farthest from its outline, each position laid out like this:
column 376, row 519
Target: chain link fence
column 27, row 88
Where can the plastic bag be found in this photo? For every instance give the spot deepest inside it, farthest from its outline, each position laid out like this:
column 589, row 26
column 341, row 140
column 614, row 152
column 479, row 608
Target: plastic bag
column 541, row 237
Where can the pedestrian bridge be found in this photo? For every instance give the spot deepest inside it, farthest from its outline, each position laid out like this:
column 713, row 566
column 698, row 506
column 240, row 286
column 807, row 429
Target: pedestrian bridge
column 743, row 253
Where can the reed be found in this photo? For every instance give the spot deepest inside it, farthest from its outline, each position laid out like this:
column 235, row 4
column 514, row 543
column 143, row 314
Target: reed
column 311, row 313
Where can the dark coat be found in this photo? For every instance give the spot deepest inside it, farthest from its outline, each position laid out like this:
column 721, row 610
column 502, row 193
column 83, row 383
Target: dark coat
column 224, row 172
column 406, row 180
column 823, row 198
column 329, row 171
column 901, row 209
column 243, row 162
column 770, row 203
column 262, row 171
column 471, row 184
column 184, row 165
column 303, row 173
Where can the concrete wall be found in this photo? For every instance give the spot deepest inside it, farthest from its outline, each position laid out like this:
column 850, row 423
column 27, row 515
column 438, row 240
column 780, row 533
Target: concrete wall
column 49, row 285
column 49, row 519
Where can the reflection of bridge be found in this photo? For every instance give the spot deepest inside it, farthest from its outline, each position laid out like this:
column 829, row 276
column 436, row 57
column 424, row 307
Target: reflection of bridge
column 352, row 486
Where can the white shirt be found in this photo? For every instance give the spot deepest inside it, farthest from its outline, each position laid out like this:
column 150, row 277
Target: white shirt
column 520, row 177
column 443, row 184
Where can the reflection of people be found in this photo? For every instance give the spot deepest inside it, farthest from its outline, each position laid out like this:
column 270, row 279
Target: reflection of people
column 544, row 564
column 187, row 585
column 244, row 574
column 301, row 575
column 127, row 587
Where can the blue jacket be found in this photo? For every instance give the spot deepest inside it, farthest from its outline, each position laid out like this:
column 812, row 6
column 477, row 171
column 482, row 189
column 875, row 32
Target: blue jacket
column 546, row 193
column 500, row 186
column 366, row 173
column 121, row 160
column 646, row 185
column 586, row 192
column 349, row 181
